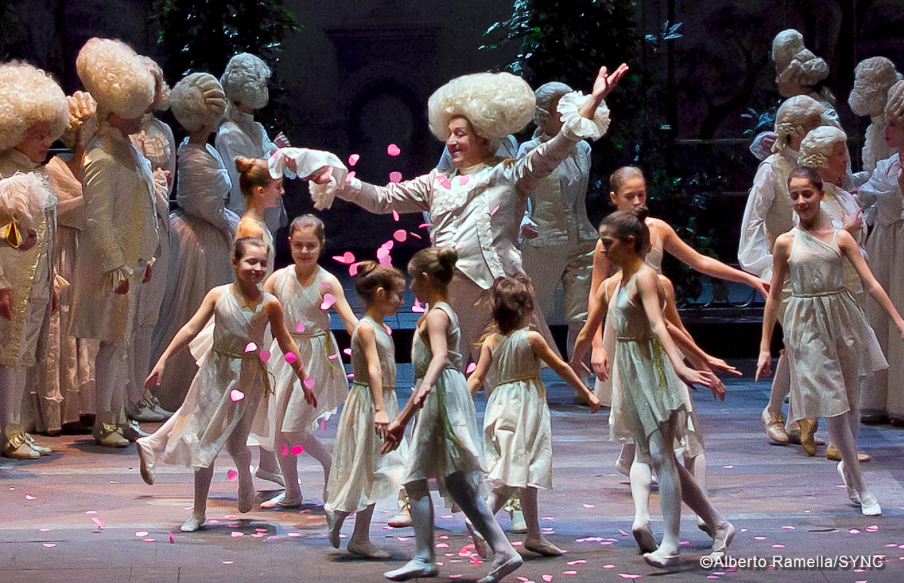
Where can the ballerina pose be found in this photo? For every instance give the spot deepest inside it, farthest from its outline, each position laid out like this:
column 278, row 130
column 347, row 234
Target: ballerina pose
column 231, row 381
column 830, row 341
column 301, row 288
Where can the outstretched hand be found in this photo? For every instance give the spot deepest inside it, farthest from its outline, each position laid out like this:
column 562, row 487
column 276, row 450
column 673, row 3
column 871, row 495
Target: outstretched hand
column 605, row 82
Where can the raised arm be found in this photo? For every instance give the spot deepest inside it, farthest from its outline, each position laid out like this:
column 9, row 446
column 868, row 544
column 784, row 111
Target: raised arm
column 479, row 376
column 346, row 314
column 850, row 250
column 409, row 196
column 288, row 346
column 541, row 348
column 773, row 302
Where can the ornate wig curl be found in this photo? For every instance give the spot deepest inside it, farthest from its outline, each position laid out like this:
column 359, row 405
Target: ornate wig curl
column 791, row 117
column 29, row 95
column 817, row 146
column 245, row 80
column 495, row 104
column 198, row 101
column 116, row 77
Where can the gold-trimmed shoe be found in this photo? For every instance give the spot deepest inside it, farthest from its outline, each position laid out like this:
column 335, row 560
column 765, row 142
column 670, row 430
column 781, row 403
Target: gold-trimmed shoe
column 16, row 447
column 833, row 454
column 808, row 436
column 106, row 433
column 775, row 426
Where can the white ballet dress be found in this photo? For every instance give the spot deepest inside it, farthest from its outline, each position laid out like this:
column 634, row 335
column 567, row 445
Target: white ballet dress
column 516, row 428
column 829, row 341
column 360, row 474
column 446, row 436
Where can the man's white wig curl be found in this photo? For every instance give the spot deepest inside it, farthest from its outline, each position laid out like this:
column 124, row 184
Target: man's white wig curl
column 793, row 61
column 894, row 107
column 116, row 77
column 29, row 95
column 198, row 101
column 873, row 78
column 817, row 146
column 82, row 119
column 791, row 117
column 495, row 104
column 161, row 87
column 245, row 80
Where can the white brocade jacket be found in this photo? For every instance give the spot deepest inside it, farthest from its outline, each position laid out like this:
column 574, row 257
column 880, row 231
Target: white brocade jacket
column 558, row 203
column 119, row 236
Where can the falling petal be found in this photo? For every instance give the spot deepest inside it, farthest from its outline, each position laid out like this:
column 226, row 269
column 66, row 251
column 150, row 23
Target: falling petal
column 323, row 425
column 388, row 245
column 141, row 534
column 299, row 327
column 297, row 450
column 49, row 545
column 395, row 177
column 237, row 534
column 385, row 260
column 290, row 357
column 382, row 252
column 99, row 522
column 393, row 150
column 388, row 329
column 251, row 347
column 424, row 226
column 328, row 301
column 346, row 258
column 401, row 235
column 232, row 475
column 446, row 184
column 463, row 179
column 350, row 175
column 236, row 395
column 29, row 497
column 265, row 355
column 471, row 368
column 417, row 308
column 347, row 351
column 353, row 269
column 495, row 210
column 308, row 382
column 333, row 356
column 284, row 451
column 172, row 539
column 415, row 235
column 353, row 159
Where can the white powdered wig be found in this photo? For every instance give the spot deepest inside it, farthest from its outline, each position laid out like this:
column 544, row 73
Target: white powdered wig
column 894, row 107
column 198, row 101
column 24, row 196
column 791, row 117
column 161, row 87
column 793, row 61
column 495, row 104
column 817, row 146
column 873, row 78
column 82, row 119
column 116, row 77
column 245, row 80
column 29, row 95
column 545, row 95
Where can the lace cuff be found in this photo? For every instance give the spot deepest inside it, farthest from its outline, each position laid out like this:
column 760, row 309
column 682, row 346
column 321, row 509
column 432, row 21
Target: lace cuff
column 114, row 278
column 307, row 163
column 578, row 127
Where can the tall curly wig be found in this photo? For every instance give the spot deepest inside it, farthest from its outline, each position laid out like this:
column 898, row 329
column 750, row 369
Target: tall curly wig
column 495, row 104
column 873, row 78
column 245, row 80
column 817, row 146
column 794, row 62
column 198, row 101
column 161, row 87
column 894, row 107
column 82, row 119
column 791, row 117
column 116, row 77
column 29, row 95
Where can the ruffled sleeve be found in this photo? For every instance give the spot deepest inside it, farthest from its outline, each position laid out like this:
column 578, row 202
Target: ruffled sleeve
column 308, row 162
column 578, row 127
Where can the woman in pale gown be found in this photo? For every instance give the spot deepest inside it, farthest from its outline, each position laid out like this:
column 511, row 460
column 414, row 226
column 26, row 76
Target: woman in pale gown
column 202, row 229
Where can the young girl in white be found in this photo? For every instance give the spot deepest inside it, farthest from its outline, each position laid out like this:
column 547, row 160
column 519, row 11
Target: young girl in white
column 232, row 378
column 446, row 439
column 826, row 332
column 301, row 289
column 516, row 426
column 360, row 474
column 650, row 383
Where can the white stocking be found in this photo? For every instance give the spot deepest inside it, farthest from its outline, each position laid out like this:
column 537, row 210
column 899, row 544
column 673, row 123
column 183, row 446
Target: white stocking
column 422, row 520
column 110, row 369
column 477, row 511
column 662, row 455
column 842, row 436
column 12, row 390
column 361, row 534
column 641, row 480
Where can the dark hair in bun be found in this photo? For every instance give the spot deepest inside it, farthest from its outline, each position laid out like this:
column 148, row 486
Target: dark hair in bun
column 632, row 223
column 372, row 275
column 512, row 301
column 241, row 246
column 438, row 262
column 252, row 172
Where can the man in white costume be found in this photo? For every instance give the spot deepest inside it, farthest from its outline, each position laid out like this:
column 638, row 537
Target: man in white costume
column 478, row 208
column 245, row 83
column 33, row 114
column 155, row 141
column 769, row 214
column 120, row 235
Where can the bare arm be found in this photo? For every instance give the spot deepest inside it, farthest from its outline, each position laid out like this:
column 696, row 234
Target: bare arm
column 540, row 347
column 437, row 324
column 346, row 314
column 477, row 378
column 595, row 317
column 850, row 249
column 367, row 337
column 600, row 273
column 288, row 346
column 780, row 255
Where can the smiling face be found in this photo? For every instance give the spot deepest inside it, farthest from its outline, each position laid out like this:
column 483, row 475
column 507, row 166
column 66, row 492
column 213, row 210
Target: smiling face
column 894, row 133
column 805, row 198
column 252, row 267
column 631, row 194
column 305, row 247
column 465, row 147
column 37, row 142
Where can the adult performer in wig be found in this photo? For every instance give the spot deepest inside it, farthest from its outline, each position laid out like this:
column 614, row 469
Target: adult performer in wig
column 33, row 114
column 478, row 207
column 118, row 242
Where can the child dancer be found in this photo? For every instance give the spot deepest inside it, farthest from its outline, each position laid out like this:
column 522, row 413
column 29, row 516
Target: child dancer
column 262, row 192
column 650, row 384
column 826, row 333
column 300, row 288
column 231, row 380
column 516, row 427
column 446, row 439
column 360, row 475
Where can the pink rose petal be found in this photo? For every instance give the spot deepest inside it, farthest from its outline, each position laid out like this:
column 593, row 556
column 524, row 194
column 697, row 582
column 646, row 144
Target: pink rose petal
column 333, row 356
column 353, row 269
column 628, row 576
column 546, row 578
column 872, row 528
column 588, row 505
column 91, row 512
column 141, row 534
column 463, row 179
column 265, row 355
column 49, row 529
column 347, row 351
column 299, row 327
column 442, row 546
column 353, row 159
column 569, row 572
column 424, row 226
column 759, row 538
column 297, row 450
column 854, row 531
column 172, row 539
column 308, row 382
column 29, row 497
column 350, row 175
column 395, row 215
column 787, row 528
column 393, row 150
column 446, row 184
column 228, row 562
column 495, row 210
column 251, row 347
column 382, row 252
column 778, row 546
column 417, row 308
column 237, row 534
column 346, row 258
column 328, row 301
column 415, row 235
column 232, row 476
column 401, row 235
column 395, row 176
column 610, row 566
column 290, row 357
column 403, row 539
column 385, row 260
column 149, row 540
column 388, row 329
column 728, row 467
column 471, row 368
column 284, row 450
column 49, row 545
column 323, row 424
column 99, row 522
column 236, row 395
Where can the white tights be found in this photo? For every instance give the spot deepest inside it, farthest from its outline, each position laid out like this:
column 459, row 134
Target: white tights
column 289, row 463
column 529, row 507
column 844, row 430
column 110, row 373
column 238, row 450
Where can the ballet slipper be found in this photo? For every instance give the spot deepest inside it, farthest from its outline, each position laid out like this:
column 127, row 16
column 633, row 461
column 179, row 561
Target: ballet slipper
column 722, row 536
column 367, row 550
column 661, row 560
column 147, row 460
column 851, row 492
column 701, row 524
column 246, row 496
column 270, row 477
column 834, row 455
column 280, row 501
column 808, row 436
column 543, row 547
column 775, row 426
column 193, row 523
column 480, row 544
column 503, row 567
column 644, row 537
column 518, row 524
column 870, row 506
column 334, row 526
column 413, row 569
column 403, row 518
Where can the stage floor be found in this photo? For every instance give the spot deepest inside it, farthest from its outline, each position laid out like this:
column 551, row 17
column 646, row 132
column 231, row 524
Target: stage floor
column 782, row 502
